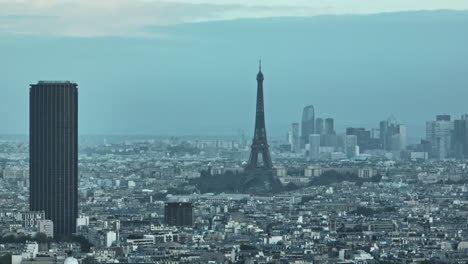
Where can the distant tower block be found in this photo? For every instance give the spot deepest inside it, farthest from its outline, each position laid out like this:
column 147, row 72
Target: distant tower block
column 308, row 123
column 179, row 214
column 260, row 155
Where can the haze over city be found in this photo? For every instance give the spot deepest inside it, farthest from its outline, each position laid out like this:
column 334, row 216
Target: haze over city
column 233, row 131
column 150, row 67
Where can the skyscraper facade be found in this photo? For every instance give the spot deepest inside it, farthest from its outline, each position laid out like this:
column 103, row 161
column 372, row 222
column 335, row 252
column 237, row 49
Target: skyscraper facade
column 320, row 126
column 260, row 157
column 399, row 139
column 439, row 133
column 392, row 135
column 314, row 147
column 329, row 126
column 326, row 129
column 443, row 118
column 308, row 123
column 460, row 138
column 351, row 146
column 53, row 138
column 364, row 138
column 294, row 139
column 387, row 129
column 179, row 214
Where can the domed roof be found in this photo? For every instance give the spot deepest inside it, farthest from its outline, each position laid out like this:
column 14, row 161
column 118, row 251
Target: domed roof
column 70, row 260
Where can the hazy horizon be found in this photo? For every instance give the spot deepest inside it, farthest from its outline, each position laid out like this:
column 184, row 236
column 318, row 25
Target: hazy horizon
column 200, row 77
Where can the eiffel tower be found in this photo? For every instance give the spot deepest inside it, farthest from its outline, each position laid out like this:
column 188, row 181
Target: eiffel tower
column 260, row 155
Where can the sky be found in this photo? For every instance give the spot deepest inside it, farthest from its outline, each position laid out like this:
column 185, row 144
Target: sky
column 188, row 67
column 92, row 18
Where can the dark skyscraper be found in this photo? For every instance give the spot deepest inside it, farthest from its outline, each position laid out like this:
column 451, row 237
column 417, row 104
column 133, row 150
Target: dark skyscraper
column 443, row 118
column 260, row 155
column 179, row 214
column 330, row 126
column 460, row 137
column 54, row 153
column 308, row 123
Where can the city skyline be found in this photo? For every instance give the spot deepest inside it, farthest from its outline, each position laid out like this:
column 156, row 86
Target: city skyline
column 154, row 138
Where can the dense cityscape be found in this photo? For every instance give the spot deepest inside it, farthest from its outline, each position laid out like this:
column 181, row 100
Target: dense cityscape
column 316, row 196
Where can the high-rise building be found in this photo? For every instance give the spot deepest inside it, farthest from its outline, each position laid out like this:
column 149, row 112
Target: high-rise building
column 364, row 139
column 439, row 135
column 294, row 139
column 351, row 146
column 392, row 135
column 179, row 214
column 329, row 126
column 326, row 129
column 314, row 146
column 260, row 157
column 308, row 123
column 53, row 159
column 386, row 132
column 398, row 140
column 443, row 118
column 320, row 125
column 460, row 137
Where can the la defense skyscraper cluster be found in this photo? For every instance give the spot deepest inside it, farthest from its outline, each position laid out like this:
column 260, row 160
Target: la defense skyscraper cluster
column 53, row 140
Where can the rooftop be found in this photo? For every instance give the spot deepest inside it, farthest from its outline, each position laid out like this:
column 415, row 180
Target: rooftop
column 53, row 82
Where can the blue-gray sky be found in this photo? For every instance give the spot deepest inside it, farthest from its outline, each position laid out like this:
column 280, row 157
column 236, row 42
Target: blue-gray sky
column 150, row 67
column 130, row 17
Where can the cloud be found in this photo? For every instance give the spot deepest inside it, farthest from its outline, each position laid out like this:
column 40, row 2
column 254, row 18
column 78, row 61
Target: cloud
column 90, row 18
